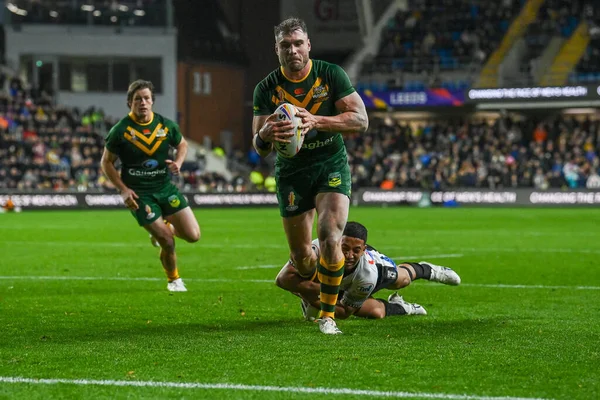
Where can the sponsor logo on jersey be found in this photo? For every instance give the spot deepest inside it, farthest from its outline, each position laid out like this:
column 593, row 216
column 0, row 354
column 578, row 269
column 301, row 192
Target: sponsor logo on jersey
column 149, row 213
column 317, row 144
column 335, row 179
column 146, row 174
column 280, row 95
column 365, row 289
column 150, row 164
column 390, row 274
column 174, row 201
column 292, row 206
column 320, row 93
column 299, row 91
column 161, row 134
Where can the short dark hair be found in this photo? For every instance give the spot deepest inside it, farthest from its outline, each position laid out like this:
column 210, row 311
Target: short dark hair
column 289, row 25
column 356, row 230
column 137, row 85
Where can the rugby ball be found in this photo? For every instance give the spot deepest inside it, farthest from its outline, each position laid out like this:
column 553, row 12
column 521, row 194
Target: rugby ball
column 287, row 112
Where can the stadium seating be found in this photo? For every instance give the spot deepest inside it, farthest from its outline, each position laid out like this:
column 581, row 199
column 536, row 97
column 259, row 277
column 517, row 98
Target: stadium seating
column 588, row 69
column 421, row 45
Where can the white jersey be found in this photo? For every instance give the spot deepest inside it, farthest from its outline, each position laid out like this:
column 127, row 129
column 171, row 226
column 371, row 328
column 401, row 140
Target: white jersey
column 364, row 280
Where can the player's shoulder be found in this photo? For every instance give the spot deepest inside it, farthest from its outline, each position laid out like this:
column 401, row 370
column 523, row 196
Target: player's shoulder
column 322, row 66
column 380, row 258
column 120, row 126
column 366, row 270
column 270, row 81
column 164, row 120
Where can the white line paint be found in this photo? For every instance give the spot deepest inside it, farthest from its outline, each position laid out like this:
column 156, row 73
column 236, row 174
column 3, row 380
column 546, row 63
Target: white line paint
column 453, row 255
column 123, row 278
column 486, row 250
column 208, row 280
column 141, row 243
column 256, row 246
column 259, row 267
column 502, row 286
column 256, row 388
column 246, row 267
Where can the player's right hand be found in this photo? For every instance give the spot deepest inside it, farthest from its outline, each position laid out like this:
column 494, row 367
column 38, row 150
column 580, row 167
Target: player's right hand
column 276, row 131
column 129, row 197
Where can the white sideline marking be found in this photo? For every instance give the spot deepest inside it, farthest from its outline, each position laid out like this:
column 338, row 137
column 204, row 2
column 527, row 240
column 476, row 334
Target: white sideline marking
column 124, row 278
column 144, row 243
column 503, row 286
column 453, row 255
column 141, row 244
column 259, row 267
column 256, row 388
column 393, row 258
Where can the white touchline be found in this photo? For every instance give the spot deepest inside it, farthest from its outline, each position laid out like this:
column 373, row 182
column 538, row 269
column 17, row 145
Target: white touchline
column 257, row 388
column 482, row 250
column 259, row 267
column 453, row 255
column 137, row 244
column 208, row 280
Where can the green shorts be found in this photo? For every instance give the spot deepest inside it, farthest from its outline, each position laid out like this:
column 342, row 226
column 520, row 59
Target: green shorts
column 152, row 206
column 297, row 190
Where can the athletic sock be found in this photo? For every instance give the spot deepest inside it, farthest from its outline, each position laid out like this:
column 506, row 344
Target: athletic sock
column 392, row 309
column 422, row 271
column 172, row 275
column 330, row 276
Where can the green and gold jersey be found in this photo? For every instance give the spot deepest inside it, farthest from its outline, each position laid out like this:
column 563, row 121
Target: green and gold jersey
column 324, row 85
column 143, row 150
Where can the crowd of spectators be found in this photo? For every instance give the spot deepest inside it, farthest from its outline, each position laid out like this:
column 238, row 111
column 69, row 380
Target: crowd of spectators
column 505, row 153
column 433, row 36
column 44, row 147
column 50, row 148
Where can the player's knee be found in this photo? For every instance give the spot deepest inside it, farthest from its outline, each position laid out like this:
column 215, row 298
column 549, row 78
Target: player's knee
column 281, row 281
column 302, row 257
column 402, row 281
column 377, row 314
column 193, row 236
column 167, row 242
column 329, row 243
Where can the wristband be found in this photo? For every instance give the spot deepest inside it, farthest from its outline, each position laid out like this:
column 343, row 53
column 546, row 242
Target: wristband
column 261, row 144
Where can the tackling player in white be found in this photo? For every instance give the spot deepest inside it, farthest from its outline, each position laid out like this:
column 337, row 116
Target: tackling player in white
column 366, row 272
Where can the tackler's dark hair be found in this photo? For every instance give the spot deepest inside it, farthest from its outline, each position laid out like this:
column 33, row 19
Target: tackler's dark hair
column 356, row 230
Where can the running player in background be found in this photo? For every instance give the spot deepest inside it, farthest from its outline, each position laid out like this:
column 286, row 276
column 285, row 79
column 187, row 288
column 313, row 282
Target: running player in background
column 318, row 177
column 141, row 141
column 366, row 272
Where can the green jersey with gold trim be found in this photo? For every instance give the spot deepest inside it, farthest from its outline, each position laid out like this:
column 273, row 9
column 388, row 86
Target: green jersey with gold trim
column 324, row 84
column 143, row 150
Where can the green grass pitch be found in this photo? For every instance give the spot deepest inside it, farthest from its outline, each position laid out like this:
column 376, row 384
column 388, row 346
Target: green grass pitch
column 84, row 305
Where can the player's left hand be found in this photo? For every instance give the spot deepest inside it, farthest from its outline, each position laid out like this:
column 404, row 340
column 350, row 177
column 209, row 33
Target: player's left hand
column 309, row 121
column 173, row 167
